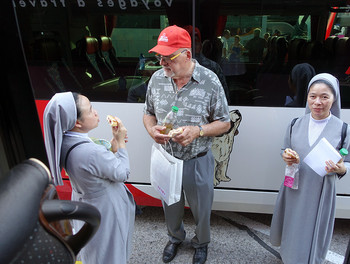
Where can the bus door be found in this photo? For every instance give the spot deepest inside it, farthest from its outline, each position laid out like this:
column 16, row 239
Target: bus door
column 20, row 133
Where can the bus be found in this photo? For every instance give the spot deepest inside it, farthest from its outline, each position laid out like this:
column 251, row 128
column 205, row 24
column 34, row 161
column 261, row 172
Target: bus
column 100, row 49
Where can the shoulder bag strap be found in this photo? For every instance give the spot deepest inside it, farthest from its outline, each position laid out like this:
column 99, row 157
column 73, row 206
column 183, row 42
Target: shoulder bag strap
column 291, row 125
column 343, row 136
column 343, row 133
column 70, row 149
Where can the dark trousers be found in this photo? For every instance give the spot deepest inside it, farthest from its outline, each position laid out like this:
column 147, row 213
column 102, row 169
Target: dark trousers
column 198, row 188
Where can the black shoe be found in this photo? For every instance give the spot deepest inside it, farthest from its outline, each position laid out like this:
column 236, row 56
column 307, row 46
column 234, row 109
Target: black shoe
column 170, row 251
column 200, row 255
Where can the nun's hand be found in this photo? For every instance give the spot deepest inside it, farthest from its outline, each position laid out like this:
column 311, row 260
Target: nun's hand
column 290, row 156
column 119, row 136
column 120, row 131
column 338, row 168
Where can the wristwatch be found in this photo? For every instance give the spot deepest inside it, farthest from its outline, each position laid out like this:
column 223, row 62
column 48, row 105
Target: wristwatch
column 201, row 132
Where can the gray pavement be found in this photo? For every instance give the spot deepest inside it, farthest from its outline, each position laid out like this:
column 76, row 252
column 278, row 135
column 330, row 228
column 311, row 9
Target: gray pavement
column 236, row 238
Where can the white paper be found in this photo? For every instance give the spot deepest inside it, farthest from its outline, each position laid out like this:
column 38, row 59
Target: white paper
column 318, row 156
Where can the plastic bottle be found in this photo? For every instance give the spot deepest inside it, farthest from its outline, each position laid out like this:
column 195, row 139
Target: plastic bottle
column 343, row 152
column 291, row 178
column 170, row 121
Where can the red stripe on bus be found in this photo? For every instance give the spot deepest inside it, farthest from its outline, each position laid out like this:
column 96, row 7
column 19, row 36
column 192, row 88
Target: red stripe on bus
column 142, row 198
column 330, row 24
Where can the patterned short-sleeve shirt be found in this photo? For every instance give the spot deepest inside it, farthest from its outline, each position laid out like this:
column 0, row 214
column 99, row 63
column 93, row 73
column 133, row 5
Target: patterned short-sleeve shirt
column 201, row 101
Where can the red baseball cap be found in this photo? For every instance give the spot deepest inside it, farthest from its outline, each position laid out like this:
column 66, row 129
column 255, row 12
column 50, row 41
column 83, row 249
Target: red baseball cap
column 171, row 39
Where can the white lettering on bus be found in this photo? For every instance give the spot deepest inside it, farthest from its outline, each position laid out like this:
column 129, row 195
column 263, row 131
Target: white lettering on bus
column 21, row 3
column 123, row 4
column 110, row 3
column 134, row 3
column 157, row 3
column 81, row 3
column 43, row 3
column 33, row 3
column 54, row 2
column 169, row 2
column 146, row 4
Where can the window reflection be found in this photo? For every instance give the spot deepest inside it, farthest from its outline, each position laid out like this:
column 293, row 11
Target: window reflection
column 103, row 52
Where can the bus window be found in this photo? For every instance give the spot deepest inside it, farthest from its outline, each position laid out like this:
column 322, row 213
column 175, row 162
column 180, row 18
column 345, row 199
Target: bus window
column 341, row 25
column 136, row 34
column 93, row 53
column 337, row 50
column 69, row 56
column 257, row 72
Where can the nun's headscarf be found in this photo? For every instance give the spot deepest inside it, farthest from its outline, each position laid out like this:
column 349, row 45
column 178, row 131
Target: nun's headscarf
column 60, row 115
column 334, row 85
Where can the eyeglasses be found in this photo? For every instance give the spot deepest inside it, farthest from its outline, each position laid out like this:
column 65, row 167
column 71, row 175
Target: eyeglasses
column 168, row 59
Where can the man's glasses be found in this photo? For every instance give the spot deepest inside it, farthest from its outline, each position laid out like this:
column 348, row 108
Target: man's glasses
column 168, row 59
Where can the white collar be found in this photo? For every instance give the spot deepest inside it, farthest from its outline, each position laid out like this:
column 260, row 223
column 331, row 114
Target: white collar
column 76, row 134
column 325, row 120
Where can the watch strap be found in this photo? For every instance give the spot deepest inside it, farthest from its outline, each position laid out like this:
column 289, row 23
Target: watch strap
column 201, row 132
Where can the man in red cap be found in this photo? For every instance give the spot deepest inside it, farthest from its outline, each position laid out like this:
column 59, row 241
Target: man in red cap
column 203, row 114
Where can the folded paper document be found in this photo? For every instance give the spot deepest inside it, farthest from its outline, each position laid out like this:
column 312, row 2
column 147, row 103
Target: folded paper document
column 318, row 156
